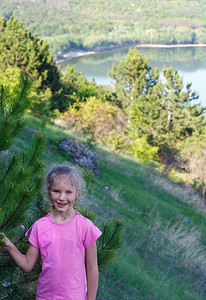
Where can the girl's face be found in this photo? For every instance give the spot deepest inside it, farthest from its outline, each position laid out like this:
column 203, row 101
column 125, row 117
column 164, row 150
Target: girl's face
column 62, row 193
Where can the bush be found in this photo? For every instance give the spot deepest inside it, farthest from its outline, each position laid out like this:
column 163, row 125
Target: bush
column 95, row 117
column 141, row 149
column 116, row 141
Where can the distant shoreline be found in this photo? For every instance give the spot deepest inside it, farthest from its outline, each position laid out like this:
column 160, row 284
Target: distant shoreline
column 78, row 52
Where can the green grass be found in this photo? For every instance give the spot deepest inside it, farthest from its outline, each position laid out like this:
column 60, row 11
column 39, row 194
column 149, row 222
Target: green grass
column 164, row 238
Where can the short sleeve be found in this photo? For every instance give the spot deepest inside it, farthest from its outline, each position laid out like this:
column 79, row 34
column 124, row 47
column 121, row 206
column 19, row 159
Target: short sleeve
column 92, row 233
column 33, row 235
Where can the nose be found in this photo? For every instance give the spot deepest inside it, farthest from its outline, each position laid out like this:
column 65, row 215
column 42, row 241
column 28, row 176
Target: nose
column 62, row 197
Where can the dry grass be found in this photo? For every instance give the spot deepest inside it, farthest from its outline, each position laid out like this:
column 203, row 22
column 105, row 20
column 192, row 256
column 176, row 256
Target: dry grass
column 182, row 192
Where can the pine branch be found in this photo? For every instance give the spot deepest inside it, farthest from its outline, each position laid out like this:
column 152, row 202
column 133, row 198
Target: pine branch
column 12, row 121
column 25, row 83
column 22, row 171
column 9, row 191
column 36, row 148
column 115, row 245
column 38, row 167
column 18, row 287
column 12, row 293
column 103, row 235
column 38, row 203
column 1, row 99
column 5, row 125
column 111, row 238
column 11, row 164
column 118, row 223
column 19, row 126
column 23, row 157
column 15, row 211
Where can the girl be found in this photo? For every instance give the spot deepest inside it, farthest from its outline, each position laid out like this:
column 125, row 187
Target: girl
column 64, row 238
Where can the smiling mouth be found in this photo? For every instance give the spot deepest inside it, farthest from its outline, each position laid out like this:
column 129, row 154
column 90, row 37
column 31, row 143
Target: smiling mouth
column 61, row 204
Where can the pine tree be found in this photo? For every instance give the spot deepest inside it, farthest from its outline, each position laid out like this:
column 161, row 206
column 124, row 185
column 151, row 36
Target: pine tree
column 163, row 113
column 22, row 50
column 20, row 178
column 181, row 116
column 167, row 114
column 133, row 78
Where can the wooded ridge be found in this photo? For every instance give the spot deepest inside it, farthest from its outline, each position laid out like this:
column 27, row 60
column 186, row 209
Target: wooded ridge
column 88, row 24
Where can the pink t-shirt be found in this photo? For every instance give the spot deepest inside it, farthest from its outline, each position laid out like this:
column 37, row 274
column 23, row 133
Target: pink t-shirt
column 62, row 247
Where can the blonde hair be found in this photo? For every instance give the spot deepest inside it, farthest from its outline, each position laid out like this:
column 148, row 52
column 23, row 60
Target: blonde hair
column 74, row 174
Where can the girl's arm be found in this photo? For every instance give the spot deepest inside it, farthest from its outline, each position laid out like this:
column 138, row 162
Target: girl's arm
column 25, row 262
column 92, row 271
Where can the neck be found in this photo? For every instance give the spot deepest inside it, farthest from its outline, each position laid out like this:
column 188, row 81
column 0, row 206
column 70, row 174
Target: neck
column 61, row 217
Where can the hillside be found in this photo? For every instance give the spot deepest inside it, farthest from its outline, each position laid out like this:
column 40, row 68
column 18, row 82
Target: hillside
column 88, row 24
column 164, row 252
column 164, row 255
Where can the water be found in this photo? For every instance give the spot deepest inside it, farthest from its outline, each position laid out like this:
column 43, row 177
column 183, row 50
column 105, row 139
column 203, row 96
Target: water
column 190, row 62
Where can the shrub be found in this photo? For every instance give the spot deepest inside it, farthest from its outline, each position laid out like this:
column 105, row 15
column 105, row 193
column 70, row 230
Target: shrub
column 140, row 148
column 95, row 117
column 116, row 141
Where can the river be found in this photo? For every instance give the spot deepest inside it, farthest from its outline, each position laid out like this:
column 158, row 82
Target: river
column 190, row 62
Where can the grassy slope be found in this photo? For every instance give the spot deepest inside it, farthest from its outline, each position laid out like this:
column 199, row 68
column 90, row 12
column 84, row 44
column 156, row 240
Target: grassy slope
column 154, row 262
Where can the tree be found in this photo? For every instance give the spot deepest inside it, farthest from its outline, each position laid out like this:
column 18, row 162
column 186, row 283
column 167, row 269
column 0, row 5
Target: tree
column 22, row 50
column 200, row 36
column 184, row 35
column 166, row 114
column 133, row 78
column 75, row 85
column 71, row 82
column 180, row 117
column 163, row 113
column 20, row 179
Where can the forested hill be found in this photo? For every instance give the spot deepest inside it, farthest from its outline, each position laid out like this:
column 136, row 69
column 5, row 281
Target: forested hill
column 89, row 24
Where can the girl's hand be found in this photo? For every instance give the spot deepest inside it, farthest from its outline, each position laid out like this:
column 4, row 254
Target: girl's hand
column 6, row 242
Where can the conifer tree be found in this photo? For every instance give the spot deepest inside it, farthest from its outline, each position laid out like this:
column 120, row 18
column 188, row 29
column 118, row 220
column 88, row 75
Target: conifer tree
column 133, row 78
column 169, row 115
column 163, row 113
column 20, row 178
column 181, row 117
column 22, row 50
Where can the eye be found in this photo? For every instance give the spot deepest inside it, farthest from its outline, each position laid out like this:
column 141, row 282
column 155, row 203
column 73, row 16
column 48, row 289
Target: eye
column 55, row 191
column 69, row 192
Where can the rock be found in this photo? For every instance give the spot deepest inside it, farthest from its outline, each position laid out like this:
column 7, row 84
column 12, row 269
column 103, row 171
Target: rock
column 185, row 219
column 106, row 187
column 81, row 154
